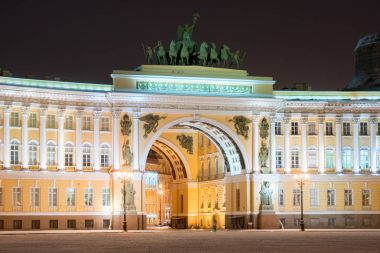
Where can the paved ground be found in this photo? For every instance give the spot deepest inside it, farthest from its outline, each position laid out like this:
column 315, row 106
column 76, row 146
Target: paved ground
column 195, row 241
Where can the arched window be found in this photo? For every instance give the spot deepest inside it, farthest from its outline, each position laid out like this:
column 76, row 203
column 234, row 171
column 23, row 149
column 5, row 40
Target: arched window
column 216, row 164
column 104, row 156
column 364, row 158
column 329, row 158
column 86, row 155
column 15, row 152
column 69, row 151
column 278, row 158
column 312, row 157
column 51, row 153
column 295, row 158
column 33, row 153
column 347, row 158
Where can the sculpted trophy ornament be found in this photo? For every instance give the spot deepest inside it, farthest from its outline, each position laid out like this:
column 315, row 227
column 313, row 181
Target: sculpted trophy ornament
column 186, row 142
column 266, row 196
column 241, row 125
column 125, row 125
column 151, row 123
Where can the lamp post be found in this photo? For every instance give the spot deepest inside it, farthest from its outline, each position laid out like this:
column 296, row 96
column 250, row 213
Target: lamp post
column 301, row 178
column 160, row 192
column 125, row 176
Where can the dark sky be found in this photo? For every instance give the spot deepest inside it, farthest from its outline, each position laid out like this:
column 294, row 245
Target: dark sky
column 293, row 41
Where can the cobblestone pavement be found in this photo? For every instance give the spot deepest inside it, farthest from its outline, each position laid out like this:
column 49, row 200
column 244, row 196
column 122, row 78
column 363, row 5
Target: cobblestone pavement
column 192, row 241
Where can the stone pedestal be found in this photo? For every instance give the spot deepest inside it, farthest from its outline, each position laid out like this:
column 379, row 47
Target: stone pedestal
column 267, row 219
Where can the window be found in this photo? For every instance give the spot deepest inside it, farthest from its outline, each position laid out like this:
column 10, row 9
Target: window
column 53, row 193
column 329, row 128
column 1, row 197
column 294, row 128
column 348, row 201
column 277, row 128
column 346, row 158
column 314, row 197
column 278, row 159
column 106, row 224
column 35, row 197
column 69, row 154
column 51, row 153
column 70, row 196
column 53, row 224
column 296, row 197
column 295, row 158
column 14, row 152
column 71, row 224
column 237, row 199
column 17, row 224
column 15, row 122
column 366, row 197
column 378, row 158
column 32, row 120
column 346, row 129
column 330, row 197
column 181, row 203
column 104, row 156
column 281, row 197
column 33, row 153
column 1, row 224
column 86, row 123
column 105, row 124
column 36, row 224
column 329, row 158
column 16, row 192
column 378, row 128
column 88, row 224
column 69, row 122
column 202, row 141
column 88, row 196
column 364, row 158
column 51, row 121
column 312, row 158
column 311, row 128
column 331, row 222
column 363, row 128
column 106, row 197
column 86, row 155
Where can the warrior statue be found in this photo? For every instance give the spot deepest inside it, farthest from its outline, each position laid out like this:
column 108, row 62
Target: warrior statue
column 203, row 54
column 160, row 53
column 266, row 194
column 127, row 153
column 173, row 53
column 186, row 31
column 130, row 197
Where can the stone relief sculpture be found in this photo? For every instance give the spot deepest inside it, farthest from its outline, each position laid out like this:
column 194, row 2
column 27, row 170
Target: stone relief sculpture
column 186, row 142
column 241, row 125
column 266, row 196
column 263, row 155
column 130, row 197
column 151, row 123
column 125, row 125
column 127, row 153
column 264, row 128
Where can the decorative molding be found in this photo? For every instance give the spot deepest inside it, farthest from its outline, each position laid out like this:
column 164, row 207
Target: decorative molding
column 151, row 123
column 186, row 142
column 97, row 113
column 241, row 125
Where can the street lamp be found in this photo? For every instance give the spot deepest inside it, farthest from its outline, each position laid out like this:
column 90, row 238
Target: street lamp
column 300, row 179
column 125, row 177
column 160, row 192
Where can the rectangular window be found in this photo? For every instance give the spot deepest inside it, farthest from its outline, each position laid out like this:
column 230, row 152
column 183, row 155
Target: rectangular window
column 86, row 123
column 51, row 121
column 1, row 197
column 32, row 120
column 348, row 201
column 70, row 196
column 311, row 128
column 378, row 128
column 314, row 197
column 296, row 197
column 1, row 224
column 237, row 199
column 281, row 197
column 366, row 197
column 346, row 129
column 53, row 224
column 88, row 196
column 329, row 158
column 53, row 197
column 330, row 197
column 88, row 224
column 35, row 197
column 105, row 124
column 363, row 128
column 106, row 224
column 277, row 128
column 71, row 224
column 17, row 224
column 16, row 192
column 106, row 197
column 329, row 128
column 69, row 122
column 51, row 154
column 15, row 122
column 36, row 224
column 295, row 159
column 278, row 159
column 294, row 128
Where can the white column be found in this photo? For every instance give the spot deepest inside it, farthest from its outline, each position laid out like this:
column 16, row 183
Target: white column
column 43, row 147
column 7, row 139
column 304, row 143
column 61, row 147
column 273, row 144
column 24, row 138
column 355, row 122
column 373, row 125
column 321, row 143
column 287, row 144
column 135, row 161
column 338, row 144
column 96, row 141
column 255, row 124
column 78, row 141
column 115, row 139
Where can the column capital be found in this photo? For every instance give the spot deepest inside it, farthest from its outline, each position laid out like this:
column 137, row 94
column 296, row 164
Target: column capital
column 7, row 109
column 372, row 119
column 135, row 115
column 97, row 114
column 79, row 112
column 61, row 112
column 255, row 117
column 356, row 119
column 304, row 119
column 273, row 118
column 321, row 119
column 286, row 119
column 116, row 113
column 338, row 119
column 25, row 109
column 43, row 111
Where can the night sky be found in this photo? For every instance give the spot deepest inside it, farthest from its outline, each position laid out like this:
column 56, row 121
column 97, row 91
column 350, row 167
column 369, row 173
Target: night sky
column 292, row 41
